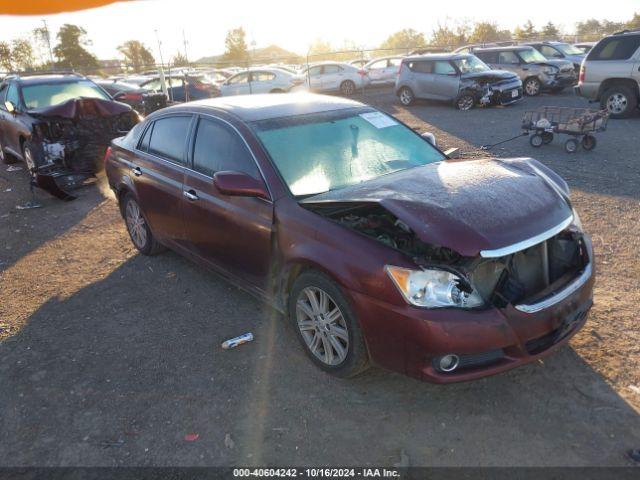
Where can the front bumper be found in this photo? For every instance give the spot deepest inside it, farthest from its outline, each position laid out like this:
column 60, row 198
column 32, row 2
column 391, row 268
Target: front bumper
column 560, row 81
column 407, row 339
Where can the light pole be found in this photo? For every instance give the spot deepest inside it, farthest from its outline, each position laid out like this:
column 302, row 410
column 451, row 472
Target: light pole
column 46, row 35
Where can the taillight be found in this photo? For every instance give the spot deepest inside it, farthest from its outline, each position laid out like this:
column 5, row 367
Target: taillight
column 107, row 155
column 362, row 72
column 583, row 72
column 132, row 96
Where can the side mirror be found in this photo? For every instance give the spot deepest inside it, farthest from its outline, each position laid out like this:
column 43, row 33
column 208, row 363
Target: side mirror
column 9, row 106
column 239, row 185
column 429, row 137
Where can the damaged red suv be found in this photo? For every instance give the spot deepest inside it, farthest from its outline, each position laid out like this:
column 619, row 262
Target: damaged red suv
column 376, row 246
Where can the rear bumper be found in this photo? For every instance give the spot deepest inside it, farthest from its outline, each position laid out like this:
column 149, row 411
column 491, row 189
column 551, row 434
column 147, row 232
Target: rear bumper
column 407, row 339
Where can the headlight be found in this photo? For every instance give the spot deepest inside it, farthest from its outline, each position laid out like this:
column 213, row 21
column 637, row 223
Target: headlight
column 433, row 288
column 550, row 70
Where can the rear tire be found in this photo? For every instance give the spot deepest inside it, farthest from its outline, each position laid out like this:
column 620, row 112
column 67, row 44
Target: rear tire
column 347, row 88
column 620, row 101
column 318, row 334
column 406, row 97
column 138, row 229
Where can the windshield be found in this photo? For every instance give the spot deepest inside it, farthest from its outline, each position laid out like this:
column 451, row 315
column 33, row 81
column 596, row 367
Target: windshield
column 49, row 94
column 531, row 56
column 328, row 151
column 568, row 49
column 471, row 64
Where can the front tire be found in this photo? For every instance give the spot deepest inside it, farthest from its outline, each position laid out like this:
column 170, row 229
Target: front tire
column 138, row 229
column 532, row 87
column 347, row 88
column 620, row 101
column 466, row 101
column 406, row 96
column 29, row 157
column 326, row 326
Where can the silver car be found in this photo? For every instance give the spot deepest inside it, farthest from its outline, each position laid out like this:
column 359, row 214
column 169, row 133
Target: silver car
column 559, row 51
column 335, row 77
column 611, row 74
column 536, row 72
column 463, row 79
column 384, row 70
column 261, row 80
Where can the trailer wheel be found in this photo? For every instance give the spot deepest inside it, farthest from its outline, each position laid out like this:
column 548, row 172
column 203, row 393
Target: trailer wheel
column 589, row 142
column 547, row 137
column 536, row 140
column 571, row 145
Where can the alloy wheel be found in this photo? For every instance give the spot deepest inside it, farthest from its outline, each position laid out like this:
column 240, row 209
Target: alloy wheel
column 136, row 224
column 465, row 102
column 348, row 88
column 532, row 87
column 322, row 326
column 406, row 97
column 617, row 103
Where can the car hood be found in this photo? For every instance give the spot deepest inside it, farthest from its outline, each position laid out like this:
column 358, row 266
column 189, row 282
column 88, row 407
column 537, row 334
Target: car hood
column 82, row 107
column 561, row 65
column 467, row 206
column 490, row 75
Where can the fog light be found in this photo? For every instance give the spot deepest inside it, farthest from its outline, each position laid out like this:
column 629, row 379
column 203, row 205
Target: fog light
column 448, row 363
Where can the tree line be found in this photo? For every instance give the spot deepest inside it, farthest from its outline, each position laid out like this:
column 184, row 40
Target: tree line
column 70, row 47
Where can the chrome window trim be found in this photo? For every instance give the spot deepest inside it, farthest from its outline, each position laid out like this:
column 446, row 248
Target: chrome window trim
column 530, row 242
column 561, row 295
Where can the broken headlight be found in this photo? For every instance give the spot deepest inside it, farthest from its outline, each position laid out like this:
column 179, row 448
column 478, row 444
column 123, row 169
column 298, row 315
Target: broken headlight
column 433, row 288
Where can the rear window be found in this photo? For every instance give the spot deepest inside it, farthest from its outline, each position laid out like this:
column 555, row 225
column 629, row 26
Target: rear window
column 49, row 94
column 615, row 48
column 168, row 138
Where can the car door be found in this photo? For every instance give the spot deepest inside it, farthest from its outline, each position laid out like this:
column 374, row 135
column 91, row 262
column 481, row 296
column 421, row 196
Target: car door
column 158, row 171
column 12, row 125
column 332, row 77
column 391, row 71
column 377, row 70
column 446, row 80
column 422, row 78
column 236, row 85
column 314, row 77
column 231, row 232
column 509, row 61
column 262, row 82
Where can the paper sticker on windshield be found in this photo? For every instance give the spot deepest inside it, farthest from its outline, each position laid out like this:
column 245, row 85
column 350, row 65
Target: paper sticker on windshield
column 379, row 119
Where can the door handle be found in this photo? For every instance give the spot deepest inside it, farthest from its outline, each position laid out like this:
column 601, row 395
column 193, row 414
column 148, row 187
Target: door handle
column 191, row 195
column 136, row 171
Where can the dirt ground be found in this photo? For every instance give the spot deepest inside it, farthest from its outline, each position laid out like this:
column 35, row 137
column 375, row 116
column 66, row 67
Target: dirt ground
column 111, row 358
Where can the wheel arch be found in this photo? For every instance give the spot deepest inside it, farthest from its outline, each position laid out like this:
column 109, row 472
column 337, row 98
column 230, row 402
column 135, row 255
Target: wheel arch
column 627, row 82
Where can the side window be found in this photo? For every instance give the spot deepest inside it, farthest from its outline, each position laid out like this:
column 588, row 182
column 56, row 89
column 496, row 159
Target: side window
column 314, row 71
column 168, row 138
column 330, row 69
column 218, row 147
column 262, row 76
column 394, row 62
column 153, row 85
column 442, row 67
column 615, row 48
column 144, row 143
column 509, row 58
column 379, row 64
column 240, row 78
column 421, row 67
column 550, row 52
column 12, row 95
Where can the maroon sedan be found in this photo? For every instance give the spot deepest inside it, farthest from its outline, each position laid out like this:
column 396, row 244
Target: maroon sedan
column 376, row 246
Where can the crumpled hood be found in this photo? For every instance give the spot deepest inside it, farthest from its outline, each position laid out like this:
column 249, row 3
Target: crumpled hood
column 490, row 75
column 78, row 108
column 467, row 206
column 561, row 65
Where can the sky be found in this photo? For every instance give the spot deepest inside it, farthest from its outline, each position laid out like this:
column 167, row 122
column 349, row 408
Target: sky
column 295, row 24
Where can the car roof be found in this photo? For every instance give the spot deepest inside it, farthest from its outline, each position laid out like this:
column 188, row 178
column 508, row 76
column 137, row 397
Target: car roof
column 251, row 108
column 437, row 56
column 505, row 49
column 52, row 78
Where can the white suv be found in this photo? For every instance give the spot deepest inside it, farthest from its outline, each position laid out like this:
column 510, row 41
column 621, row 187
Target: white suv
column 610, row 74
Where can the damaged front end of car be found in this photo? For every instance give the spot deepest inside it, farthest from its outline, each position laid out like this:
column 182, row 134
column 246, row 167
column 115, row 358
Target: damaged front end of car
column 522, row 276
column 493, row 89
column 69, row 140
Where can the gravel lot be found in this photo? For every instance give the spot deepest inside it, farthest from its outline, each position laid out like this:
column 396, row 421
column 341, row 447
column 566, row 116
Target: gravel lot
column 110, row 358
